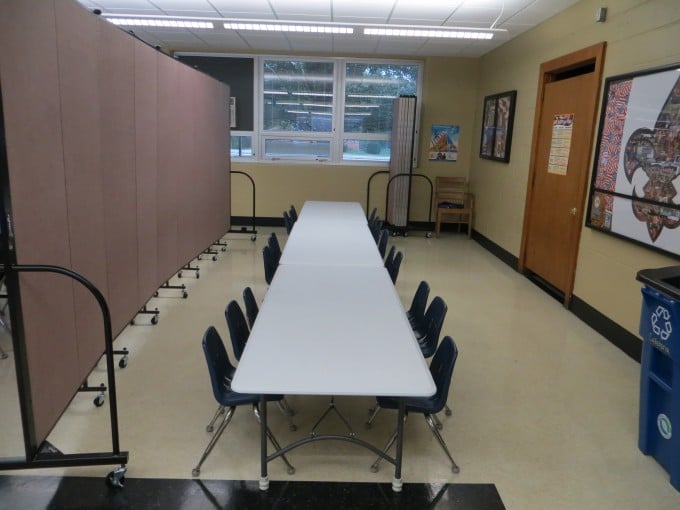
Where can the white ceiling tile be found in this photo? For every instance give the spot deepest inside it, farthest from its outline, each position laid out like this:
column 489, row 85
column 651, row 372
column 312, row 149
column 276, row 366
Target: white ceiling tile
column 291, row 9
column 252, row 9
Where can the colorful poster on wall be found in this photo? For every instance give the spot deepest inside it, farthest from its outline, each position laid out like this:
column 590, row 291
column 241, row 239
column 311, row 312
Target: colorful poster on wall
column 634, row 190
column 444, row 143
column 560, row 144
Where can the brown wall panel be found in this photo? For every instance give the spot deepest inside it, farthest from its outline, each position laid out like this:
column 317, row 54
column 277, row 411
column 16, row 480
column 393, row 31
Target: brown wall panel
column 117, row 166
column 78, row 50
column 189, row 174
column 168, row 197
column 30, row 87
column 146, row 154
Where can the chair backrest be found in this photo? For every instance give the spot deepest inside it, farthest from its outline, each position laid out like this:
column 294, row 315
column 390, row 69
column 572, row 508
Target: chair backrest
column 382, row 242
column 219, row 366
column 287, row 222
column 251, row 306
column 292, row 214
column 375, row 227
column 393, row 270
column 434, row 320
column 444, row 185
column 273, row 243
column 390, row 256
column 373, row 213
column 269, row 264
column 441, row 368
column 417, row 309
column 238, row 327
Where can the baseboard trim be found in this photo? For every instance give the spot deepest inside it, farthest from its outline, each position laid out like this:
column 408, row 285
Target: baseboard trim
column 620, row 337
column 260, row 221
column 496, row 250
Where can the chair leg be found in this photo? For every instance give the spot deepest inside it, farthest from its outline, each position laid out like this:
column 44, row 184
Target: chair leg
column 291, row 469
column 437, row 422
column 331, row 407
column 3, row 354
column 285, row 408
column 442, row 443
column 374, row 413
column 211, row 426
column 213, row 440
column 376, row 465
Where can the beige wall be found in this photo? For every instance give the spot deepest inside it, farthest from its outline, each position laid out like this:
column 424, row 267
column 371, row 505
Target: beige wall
column 639, row 34
column 449, row 97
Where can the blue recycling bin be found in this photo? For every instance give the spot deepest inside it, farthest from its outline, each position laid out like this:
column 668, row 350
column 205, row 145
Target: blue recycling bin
column 659, row 420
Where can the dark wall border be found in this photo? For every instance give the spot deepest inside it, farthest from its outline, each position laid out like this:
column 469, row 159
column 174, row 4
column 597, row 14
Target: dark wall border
column 499, row 252
column 620, row 337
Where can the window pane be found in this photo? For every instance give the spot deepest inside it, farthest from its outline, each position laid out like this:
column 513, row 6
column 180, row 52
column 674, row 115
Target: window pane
column 298, row 96
column 241, row 146
column 278, row 148
column 369, row 91
column 360, row 150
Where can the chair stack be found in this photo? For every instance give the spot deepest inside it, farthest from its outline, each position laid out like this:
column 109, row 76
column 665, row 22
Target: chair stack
column 271, row 255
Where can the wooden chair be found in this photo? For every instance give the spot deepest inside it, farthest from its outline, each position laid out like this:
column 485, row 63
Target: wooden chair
column 452, row 199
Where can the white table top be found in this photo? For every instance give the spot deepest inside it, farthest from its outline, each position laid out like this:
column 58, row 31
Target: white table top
column 332, row 331
column 326, row 213
column 333, row 244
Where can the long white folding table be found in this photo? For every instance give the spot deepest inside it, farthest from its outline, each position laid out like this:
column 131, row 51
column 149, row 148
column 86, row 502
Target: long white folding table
column 332, row 329
column 325, row 214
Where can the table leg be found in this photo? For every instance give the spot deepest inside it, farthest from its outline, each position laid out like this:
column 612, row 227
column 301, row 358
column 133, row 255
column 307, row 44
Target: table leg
column 264, row 479
column 397, row 483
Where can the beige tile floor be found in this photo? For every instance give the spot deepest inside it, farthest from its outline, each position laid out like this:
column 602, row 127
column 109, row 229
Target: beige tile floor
column 543, row 406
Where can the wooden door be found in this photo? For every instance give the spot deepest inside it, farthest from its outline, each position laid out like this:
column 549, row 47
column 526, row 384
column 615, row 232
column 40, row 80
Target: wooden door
column 563, row 137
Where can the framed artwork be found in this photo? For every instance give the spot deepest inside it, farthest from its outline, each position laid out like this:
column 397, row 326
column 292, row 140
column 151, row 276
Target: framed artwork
column 634, row 187
column 499, row 114
column 443, row 143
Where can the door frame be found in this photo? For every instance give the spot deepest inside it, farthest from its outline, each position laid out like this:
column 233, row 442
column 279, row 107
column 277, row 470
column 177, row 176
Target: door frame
column 550, row 72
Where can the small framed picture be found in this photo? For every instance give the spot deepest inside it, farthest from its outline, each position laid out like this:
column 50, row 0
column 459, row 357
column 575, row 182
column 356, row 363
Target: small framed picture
column 499, row 114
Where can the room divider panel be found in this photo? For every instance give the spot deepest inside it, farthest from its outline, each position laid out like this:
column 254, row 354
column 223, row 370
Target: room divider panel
column 116, row 168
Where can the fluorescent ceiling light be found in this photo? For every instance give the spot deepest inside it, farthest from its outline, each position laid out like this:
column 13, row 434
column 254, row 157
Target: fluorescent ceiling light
column 170, row 23
column 279, row 27
column 419, row 32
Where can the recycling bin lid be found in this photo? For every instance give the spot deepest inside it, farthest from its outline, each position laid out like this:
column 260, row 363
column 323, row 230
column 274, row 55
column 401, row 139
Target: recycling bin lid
column 663, row 279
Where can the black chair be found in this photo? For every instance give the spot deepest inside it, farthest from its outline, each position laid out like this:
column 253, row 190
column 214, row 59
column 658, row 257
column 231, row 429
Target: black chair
column 375, row 227
column 382, row 242
column 389, row 259
column 372, row 215
column 287, row 222
column 416, row 312
column 238, row 328
column 393, row 268
column 221, row 372
column 273, row 243
column 441, row 369
column 251, row 306
column 270, row 264
column 292, row 213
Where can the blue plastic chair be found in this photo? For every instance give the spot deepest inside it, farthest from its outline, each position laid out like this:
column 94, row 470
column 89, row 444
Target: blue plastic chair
column 393, row 268
column 292, row 214
column 273, row 243
column 287, row 222
column 238, row 328
column 270, row 264
column 441, row 369
column 416, row 312
column 382, row 242
column 434, row 320
column 250, row 303
column 390, row 256
column 221, row 372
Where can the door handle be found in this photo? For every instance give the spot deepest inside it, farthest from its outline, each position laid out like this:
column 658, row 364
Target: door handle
column 573, row 211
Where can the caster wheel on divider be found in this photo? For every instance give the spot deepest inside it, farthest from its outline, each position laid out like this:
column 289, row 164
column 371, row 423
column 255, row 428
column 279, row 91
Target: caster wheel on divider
column 185, row 294
column 98, row 400
column 428, row 235
column 214, row 257
column 198, row 258
column 224, row 248
column 195, row 472
column 132, row 322
column 253, row 237
column 122, row 363
column 179, row 275
column 198, row 275
column 374, row 469
column 154, row 320
column 116, row 478
column 394, row 233
column 291, row 470
column 405, row 234
column 155, row 294
column 292, row 427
